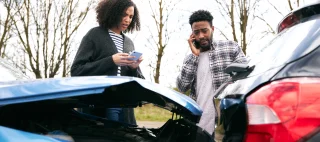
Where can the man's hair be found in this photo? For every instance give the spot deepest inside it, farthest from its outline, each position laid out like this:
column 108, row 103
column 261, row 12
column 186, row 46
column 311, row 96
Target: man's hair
column 110, row 14
column 201, row 15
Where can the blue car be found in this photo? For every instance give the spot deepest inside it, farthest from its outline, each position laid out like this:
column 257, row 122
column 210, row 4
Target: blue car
column 47, row 110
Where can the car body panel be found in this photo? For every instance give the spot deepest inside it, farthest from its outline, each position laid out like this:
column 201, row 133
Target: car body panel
column 306, row 67
column 61, row 95
column 36, row 90
column 246, row 85
column 13, row 135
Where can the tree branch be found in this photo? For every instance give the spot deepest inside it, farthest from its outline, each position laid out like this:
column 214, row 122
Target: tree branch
column 275, row 8
column 269, row 26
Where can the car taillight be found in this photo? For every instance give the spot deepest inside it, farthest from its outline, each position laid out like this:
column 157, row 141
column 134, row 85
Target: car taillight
column 289, row 21
column 299, row 15
column 284, row 110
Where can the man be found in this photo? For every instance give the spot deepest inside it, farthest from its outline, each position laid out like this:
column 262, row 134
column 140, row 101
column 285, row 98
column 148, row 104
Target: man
column 202, row 71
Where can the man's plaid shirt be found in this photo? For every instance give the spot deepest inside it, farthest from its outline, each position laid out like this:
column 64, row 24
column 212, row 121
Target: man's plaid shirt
column 221, row 54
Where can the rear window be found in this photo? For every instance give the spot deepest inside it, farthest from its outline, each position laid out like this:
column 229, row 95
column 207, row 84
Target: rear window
column 290, row 44
column 299, row 16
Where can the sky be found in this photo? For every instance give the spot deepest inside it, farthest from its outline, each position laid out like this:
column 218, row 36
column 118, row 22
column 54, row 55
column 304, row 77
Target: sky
column 178, row 22
column 177, row 47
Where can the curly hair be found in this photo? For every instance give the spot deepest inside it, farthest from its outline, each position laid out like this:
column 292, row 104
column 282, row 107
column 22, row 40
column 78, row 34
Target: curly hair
column 201, row 15
column 108, row 15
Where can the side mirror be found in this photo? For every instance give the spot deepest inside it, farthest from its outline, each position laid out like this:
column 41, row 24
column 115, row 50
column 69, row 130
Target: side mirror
column 236, row 67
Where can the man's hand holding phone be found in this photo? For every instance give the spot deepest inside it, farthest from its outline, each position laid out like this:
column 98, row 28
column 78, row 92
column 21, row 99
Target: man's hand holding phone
column 194, row 50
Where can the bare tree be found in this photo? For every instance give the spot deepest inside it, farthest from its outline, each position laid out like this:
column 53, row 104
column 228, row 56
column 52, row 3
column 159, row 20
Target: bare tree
column 160, row 13
column 45, row 30
column 292, row 4
column 5, row 25
column 237, row 14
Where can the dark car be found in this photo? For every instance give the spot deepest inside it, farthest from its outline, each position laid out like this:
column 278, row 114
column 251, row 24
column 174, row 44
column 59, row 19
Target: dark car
column 49, row 110
column 276, row 96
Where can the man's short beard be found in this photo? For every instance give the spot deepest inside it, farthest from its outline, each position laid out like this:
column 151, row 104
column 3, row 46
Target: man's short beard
column 203, row 48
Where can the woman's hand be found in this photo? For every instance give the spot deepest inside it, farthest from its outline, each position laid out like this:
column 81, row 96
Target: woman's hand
column 136, row 64
column 122, row 59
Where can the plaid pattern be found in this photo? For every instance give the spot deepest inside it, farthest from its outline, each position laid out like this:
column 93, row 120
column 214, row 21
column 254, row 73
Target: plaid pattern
column 221, row 54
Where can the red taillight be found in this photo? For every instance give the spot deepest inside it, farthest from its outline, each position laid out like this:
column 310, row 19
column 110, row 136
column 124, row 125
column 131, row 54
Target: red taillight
column 285, row 110
column 289, row 21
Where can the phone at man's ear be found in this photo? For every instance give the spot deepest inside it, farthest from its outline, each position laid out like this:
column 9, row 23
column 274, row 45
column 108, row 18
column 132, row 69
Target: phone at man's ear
column 196, row 44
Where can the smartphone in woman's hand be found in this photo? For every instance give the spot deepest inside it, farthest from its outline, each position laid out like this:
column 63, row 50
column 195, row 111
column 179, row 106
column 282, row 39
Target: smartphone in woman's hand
column 136, row 55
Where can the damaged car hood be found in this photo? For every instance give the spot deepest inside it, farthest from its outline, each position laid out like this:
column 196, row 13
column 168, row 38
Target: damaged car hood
column 100, row 91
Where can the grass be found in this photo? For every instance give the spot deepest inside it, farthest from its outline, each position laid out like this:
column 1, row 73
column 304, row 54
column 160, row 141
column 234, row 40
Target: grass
column 149, row 112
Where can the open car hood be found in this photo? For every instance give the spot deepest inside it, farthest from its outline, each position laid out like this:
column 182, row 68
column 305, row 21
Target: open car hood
column 100, row 91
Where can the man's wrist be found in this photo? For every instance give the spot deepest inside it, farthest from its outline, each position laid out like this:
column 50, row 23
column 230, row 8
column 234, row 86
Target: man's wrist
column 194, row 57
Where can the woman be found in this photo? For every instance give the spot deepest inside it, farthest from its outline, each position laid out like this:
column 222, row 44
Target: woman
column 104, row 50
